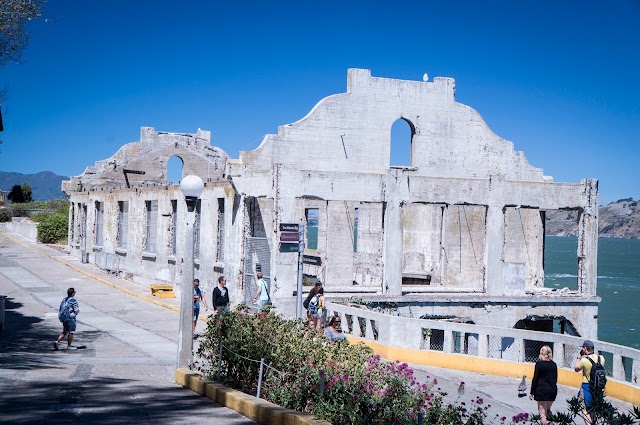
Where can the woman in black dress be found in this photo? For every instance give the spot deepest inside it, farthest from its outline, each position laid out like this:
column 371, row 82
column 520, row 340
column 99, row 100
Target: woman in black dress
column 544, row 387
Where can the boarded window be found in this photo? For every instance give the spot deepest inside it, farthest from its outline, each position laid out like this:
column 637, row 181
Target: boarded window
column 312, row 216
column 99, row 223
column 152, row 226
column 123, row 224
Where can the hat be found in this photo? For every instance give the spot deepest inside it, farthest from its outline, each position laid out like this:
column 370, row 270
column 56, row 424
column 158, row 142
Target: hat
column 587, row 343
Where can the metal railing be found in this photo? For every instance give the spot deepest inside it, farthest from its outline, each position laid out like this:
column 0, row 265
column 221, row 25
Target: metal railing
column 516, row 345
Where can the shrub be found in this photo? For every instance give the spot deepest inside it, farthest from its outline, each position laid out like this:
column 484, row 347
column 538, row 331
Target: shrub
column 53, row 229
column 39, row 217
column 5, row 215
column 338, row 382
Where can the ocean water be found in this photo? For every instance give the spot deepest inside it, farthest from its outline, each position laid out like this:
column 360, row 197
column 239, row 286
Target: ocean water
column 618, row 283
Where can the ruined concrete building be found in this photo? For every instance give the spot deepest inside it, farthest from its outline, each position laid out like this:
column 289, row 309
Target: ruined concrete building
column 457, row 232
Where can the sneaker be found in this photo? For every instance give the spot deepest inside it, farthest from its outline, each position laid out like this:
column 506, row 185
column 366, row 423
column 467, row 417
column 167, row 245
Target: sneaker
column 55, row 345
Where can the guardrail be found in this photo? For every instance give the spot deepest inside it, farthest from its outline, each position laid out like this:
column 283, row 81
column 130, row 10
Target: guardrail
column 516, row 345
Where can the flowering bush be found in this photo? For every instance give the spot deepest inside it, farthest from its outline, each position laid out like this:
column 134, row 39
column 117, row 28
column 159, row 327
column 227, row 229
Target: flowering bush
column 338, row 382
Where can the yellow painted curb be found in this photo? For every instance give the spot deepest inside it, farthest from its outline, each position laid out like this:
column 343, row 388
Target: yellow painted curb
column 615, row 389
column 259, row 410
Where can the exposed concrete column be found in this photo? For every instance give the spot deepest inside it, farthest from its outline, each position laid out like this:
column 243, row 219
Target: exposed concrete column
column 448, row 341
column 588, row 240
column 558, row 354
column 483, row 345
column 393, row 248
column 494, row 279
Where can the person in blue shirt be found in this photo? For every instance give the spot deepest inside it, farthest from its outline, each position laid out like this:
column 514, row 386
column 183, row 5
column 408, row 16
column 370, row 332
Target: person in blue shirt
column 68, row 311
column 198, row 297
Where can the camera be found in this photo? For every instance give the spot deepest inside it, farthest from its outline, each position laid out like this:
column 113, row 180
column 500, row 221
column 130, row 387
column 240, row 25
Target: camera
column 582, row 353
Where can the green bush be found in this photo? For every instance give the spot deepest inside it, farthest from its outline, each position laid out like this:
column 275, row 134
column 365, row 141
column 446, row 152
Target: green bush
column 53, row 229
column 335, row 381
column 39, row 217
column 5, row 215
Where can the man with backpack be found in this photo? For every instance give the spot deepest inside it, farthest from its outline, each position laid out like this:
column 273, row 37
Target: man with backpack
column 594, row 378
column 67, row 313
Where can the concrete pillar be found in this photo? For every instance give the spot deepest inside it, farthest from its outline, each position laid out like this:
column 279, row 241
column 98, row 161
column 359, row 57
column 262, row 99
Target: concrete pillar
column 588, row 240
column 494, row 280
column 393, row 238
column 483, row 346
column 448, row 341
column 558, row 354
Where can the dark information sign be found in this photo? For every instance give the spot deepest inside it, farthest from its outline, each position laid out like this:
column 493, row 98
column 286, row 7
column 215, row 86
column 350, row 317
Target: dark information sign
column 289, row 227
column 311, row 259
column 289, row 237
column 289, row 247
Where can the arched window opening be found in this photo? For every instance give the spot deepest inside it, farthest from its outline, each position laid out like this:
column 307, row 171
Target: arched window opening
column 174, row 170
column 402, row 132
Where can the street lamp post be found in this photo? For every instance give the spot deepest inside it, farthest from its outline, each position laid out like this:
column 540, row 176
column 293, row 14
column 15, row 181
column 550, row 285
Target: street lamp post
column 191, row 187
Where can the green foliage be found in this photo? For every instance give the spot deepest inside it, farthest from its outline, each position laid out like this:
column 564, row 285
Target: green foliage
column 53, row 229
column 39, row 217
column 5, row 215
column 335, row 381
column 26, row 192
column 15, row 195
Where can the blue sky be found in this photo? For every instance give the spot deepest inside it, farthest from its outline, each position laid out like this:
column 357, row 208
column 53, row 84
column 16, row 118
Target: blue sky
column 560, row 79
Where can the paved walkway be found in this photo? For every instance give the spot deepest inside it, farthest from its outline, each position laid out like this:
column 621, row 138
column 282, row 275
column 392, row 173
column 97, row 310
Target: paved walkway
column 126, row 373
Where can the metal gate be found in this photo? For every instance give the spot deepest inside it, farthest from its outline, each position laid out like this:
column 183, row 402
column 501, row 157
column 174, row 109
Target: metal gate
column 257, row 258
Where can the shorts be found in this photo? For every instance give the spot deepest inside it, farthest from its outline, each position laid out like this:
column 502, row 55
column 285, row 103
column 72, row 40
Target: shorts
column 262, row 303
column 196, row 312
column 69, row 326
column 586, row 394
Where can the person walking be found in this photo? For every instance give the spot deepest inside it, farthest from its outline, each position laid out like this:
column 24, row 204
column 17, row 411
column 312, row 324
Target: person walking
column 312, row 293
column 584, row 366
column 316, row 309
column 67, row 313
column 220, row 296
column 262, row 293
column 198, row 297
column 544, row 388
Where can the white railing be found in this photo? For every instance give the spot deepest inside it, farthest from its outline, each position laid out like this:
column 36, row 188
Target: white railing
column 517, row 345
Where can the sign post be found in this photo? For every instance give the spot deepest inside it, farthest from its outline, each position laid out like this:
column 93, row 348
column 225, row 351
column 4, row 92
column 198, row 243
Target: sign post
column 292, row 240
column 299, row 291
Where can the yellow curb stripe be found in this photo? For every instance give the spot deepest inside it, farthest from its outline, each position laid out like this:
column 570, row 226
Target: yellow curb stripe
column 615, row 389
column 259, row 410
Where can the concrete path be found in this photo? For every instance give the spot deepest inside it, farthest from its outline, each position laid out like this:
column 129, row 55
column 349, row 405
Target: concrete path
column 126, row 373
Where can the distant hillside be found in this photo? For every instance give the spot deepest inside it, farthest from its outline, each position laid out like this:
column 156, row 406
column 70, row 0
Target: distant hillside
column 45, row 185
column 619, row 219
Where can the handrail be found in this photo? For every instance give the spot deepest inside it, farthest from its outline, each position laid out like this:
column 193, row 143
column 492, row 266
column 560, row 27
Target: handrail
column 405, row 332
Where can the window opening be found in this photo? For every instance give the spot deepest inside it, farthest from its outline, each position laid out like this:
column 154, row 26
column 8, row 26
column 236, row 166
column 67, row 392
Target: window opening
column 152, row 220
column 196, row 230
column 123, row 223
column 401, row 146
column 174, row 170
column 220, row 245
column 560, row 258
column 99, row 223
column 312, row 217
column 174, row 225
column 355, row 230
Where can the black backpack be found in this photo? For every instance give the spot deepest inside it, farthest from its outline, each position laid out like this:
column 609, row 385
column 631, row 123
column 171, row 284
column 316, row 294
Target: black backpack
column 598, row 377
